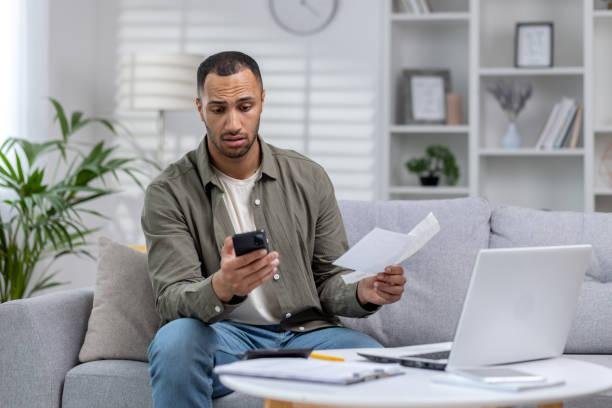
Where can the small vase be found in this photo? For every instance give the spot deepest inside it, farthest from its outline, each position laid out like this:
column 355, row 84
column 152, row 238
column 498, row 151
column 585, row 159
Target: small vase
column 512, row 138
column 429, row 180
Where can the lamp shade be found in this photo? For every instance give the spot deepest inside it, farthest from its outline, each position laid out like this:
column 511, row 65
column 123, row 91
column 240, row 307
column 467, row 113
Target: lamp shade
column 160, row 82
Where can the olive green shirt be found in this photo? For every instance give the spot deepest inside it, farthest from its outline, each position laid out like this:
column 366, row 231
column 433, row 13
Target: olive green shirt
column 185, row 222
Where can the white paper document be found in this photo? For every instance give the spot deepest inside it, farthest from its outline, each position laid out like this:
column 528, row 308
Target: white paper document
column 381, row 248
column 457, row 380
column 302, row 369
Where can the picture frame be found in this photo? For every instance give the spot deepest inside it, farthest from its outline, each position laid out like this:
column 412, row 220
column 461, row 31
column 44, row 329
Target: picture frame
column 422, row 96
column 534, row 44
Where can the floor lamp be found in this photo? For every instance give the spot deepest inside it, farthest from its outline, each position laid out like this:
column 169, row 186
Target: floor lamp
column 160, row 83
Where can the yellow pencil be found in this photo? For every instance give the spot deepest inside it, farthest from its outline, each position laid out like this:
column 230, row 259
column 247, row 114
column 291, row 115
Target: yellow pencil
column 320, row 356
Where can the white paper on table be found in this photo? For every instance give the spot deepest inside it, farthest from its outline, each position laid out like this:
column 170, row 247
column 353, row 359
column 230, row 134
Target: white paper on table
column 381, row 248
column 310, row 370
column 457, row 380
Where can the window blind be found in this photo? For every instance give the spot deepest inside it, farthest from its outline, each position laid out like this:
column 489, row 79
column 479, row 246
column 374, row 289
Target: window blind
column 320, row 104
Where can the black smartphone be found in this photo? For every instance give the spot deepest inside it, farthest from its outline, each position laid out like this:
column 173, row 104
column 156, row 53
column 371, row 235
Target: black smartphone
column 250, row 241
column 272, row 353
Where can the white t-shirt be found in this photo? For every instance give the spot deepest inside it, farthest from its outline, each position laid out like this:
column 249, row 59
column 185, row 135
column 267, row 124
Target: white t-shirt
column 256, row 309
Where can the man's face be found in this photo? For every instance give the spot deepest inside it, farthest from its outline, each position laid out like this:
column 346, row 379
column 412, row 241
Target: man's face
column 230, row 108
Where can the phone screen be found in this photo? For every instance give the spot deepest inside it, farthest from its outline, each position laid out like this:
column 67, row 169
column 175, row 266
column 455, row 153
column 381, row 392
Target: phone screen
column 250, row 241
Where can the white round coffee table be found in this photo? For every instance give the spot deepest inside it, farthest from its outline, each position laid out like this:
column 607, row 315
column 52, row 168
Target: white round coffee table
column 415, row 388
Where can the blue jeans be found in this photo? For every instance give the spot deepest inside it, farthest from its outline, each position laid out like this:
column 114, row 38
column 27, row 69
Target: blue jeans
column 184, row 352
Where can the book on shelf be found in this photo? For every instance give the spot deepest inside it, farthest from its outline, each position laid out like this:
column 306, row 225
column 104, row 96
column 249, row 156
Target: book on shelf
column 572, row 142
column 413, row 6
column 562, row 127
column 547, row 127
column 568, row 118
column 425, row 6
column 403, row 6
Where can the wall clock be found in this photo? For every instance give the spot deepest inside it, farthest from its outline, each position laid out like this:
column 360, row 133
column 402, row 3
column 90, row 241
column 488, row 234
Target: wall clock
column 303, row 17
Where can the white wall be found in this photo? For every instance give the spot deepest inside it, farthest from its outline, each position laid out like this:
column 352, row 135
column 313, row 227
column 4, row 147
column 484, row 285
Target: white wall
column 72, row 52
column 81, row 76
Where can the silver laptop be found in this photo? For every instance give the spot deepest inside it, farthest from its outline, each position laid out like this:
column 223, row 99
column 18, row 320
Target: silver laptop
column 519, row 307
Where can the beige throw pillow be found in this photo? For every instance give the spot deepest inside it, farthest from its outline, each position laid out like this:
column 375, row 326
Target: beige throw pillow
column 123, row 320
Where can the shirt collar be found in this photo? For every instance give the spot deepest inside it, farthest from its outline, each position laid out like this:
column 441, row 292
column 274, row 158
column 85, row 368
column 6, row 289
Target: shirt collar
column 207, row 174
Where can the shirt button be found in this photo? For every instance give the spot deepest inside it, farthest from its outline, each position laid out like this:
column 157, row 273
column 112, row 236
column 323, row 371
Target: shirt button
column 257, row 201
column 301, row 328
column 276, row 276
column 217, row 309
column 288, row 315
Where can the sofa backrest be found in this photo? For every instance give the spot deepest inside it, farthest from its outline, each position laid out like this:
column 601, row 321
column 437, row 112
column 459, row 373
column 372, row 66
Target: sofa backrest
column 520, row 227
column 438, row 275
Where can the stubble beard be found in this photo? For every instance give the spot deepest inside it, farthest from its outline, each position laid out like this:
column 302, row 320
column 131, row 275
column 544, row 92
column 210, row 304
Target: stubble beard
column 232, row 153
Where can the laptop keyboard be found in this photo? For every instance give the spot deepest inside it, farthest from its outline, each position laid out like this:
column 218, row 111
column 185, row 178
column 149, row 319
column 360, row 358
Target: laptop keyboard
column 437, row 355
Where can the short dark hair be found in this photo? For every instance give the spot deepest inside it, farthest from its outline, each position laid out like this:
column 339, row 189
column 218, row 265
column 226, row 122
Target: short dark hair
column 227, row 63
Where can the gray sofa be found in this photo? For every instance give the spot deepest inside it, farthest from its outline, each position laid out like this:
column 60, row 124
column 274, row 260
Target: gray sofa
column 40, row 338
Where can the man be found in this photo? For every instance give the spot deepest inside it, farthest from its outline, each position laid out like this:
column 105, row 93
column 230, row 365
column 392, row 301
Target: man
column 216, row 305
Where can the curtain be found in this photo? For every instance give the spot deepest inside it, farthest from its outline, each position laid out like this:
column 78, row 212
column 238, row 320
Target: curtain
column 24, row 36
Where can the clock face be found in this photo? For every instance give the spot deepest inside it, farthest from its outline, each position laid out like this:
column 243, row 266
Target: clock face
column 303, row 17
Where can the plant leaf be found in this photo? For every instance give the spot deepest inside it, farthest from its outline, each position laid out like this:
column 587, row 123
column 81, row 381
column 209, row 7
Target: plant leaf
column 75, row 120
column 19, row 168
column 8, row 167
column 61, row 117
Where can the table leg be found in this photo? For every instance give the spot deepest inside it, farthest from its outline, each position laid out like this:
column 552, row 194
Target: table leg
column 277, row 404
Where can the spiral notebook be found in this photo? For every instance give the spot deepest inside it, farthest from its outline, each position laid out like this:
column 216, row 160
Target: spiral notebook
column 309, row 370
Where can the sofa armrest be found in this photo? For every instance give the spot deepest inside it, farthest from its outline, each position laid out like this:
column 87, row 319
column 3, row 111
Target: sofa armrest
column 40, row 339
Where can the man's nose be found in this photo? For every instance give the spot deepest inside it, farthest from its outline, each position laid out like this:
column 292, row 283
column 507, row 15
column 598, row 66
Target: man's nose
column 233, row 122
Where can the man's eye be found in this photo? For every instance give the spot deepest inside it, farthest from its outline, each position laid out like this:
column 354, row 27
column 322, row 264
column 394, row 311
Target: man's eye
column 216, row 110
column 245, row 108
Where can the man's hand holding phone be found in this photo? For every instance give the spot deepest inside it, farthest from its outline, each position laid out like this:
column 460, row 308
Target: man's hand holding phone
column 239, row 275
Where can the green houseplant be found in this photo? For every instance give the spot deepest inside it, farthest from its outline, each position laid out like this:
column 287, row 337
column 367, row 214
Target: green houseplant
column 41, row 214
column 438, row 160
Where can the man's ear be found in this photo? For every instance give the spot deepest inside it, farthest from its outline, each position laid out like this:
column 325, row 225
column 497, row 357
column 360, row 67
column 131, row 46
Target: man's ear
column 263, row 98
column 200, row 108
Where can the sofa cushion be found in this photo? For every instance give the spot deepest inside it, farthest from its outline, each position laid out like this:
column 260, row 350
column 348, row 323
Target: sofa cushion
column 520, row 227
column 601, row 359
column 123, row 319
column 514, row 226
column 123, row 383
column 438, row 275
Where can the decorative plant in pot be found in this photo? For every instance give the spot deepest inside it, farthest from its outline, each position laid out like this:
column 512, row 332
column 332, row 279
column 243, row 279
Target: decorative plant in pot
column 41, row 215
column 438, row 160
column 512, row 98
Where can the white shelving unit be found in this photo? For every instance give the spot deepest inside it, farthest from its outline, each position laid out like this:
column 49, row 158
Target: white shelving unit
column 441, row 16
column 429, row 129
column 436, row 40
column 508, row 72
column 602, row 14
column 603, row 192
column 531, row 152
column 430, row 191
column 601, row 33
column 474, row 39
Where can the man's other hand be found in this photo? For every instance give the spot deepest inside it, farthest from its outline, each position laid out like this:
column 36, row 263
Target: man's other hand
column 239, row 275
column 384, row 288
